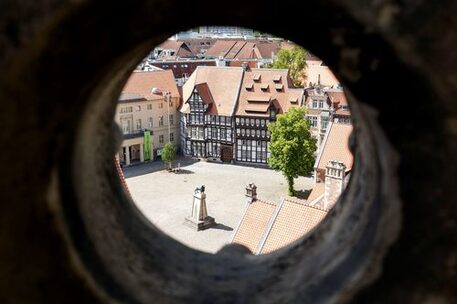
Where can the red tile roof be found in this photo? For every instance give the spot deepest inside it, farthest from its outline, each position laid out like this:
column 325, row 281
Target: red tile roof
column 253, row 224
column 266, row 227
column 293, row 221
column 264, row 82
column 223, row 84
column 335, row 146
column 141, row 83
column 244, row 49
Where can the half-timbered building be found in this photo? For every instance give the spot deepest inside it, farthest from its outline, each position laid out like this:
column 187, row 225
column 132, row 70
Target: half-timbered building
column 209, row 101
column 263, row 94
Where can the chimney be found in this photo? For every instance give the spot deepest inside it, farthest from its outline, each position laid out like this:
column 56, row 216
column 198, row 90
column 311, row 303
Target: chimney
column 334, row 182
column 245, row 66
column 251, row 193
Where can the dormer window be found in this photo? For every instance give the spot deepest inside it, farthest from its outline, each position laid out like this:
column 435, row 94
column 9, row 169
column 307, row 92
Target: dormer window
column 293, row 100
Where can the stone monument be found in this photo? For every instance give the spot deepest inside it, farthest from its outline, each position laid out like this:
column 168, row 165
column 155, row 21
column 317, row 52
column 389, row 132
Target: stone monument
column 199, row 218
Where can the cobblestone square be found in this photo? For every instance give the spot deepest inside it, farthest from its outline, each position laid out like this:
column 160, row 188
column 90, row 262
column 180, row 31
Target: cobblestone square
column 166, row 198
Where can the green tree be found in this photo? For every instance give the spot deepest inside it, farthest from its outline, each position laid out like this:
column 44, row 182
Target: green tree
column 292, row 147
column 293, row 59
column 168, row 154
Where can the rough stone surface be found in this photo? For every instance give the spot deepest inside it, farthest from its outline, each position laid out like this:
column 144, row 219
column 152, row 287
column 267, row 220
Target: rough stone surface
column 70, row 235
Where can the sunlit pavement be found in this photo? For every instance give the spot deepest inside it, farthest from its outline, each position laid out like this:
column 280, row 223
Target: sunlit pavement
column 166, row 198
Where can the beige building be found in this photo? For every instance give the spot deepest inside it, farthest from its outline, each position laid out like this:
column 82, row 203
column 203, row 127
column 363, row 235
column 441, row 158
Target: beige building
column 325, row 105
column 148, row 103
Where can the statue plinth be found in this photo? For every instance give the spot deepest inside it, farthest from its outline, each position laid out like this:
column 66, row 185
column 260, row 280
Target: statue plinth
column 199, row 219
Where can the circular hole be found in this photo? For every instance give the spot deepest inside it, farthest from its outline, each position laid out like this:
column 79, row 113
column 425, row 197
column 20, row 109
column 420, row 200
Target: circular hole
column 132, row 259
column 218, row 101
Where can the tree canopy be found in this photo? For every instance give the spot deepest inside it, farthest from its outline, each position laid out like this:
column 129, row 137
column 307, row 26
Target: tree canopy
column 292, row 147
column 168, row 153
column 293, row 59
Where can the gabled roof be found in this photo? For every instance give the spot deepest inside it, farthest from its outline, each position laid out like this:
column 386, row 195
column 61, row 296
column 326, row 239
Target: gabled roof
column 253, row 224
column 222, row 83
column 141, row 83
column 266, row 226
column 220, row 48
column 335, row 146
column 181, row 49
column 242, row 49
column 259, row 85
column 294, row 220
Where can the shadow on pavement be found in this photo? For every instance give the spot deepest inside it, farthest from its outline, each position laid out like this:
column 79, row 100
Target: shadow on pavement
column 222, row 227
column 302, row 194
column 184, row 171
column 158, row 165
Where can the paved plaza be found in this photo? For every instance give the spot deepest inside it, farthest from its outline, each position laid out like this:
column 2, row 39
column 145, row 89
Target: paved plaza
column 166, row 198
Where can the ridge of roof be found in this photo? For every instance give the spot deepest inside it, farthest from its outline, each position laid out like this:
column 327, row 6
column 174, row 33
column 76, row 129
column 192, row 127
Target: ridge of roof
column 321, row 148
column 269, row 69
column 218, row 67
column 237, row 97
column 267, row 231
column 305, row 203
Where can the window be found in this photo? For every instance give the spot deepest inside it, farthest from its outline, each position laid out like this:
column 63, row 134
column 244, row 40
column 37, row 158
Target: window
column 149, row 107
column 315, row 103
column 161, row 121
column 126, row 126
column 138, row 124
column 324, row 123
column 150, row 122
column 161, row 139
column 171, row 119
column 127, row 110
column 138, row 108
column 172, row 137
column 312, row 121
column 161, row 105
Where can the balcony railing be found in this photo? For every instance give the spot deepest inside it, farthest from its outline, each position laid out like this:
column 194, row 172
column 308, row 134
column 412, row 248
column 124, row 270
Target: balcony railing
column 135, row 133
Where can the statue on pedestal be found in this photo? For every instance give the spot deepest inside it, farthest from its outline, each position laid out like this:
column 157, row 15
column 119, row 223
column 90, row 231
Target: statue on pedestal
column 199, row 218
